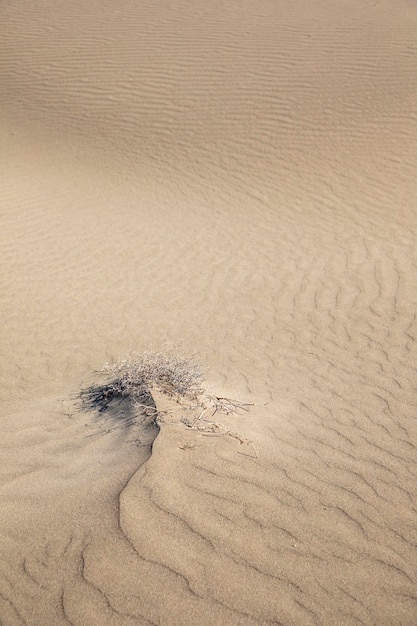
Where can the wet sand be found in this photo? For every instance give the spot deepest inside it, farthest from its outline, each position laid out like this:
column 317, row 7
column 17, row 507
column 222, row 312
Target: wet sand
column 239, row 178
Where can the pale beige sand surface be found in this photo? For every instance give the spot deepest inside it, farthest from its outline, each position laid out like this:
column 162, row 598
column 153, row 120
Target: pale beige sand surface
column 240, row 177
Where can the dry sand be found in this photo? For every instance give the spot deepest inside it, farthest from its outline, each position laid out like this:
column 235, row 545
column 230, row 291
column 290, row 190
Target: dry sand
column 239, row 176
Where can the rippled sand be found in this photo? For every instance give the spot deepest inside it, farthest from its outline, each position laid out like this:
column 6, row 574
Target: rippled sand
column 240, row 177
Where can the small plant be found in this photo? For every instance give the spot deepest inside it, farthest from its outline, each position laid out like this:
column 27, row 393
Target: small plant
column 178, row 378
column 171, row 375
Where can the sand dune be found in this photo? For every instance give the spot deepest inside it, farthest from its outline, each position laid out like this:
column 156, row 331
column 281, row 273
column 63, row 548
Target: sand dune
column 239, row 177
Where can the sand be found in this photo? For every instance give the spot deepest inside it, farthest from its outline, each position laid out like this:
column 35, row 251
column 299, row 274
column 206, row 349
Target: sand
column 241, row 178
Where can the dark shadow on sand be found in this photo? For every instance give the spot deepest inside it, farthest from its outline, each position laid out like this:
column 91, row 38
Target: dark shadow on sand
column 120, row 410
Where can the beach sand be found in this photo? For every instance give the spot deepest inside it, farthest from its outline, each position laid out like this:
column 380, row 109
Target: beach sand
column 239, row 178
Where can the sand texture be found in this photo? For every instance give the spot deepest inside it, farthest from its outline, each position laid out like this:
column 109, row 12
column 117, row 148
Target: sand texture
column 239, row 177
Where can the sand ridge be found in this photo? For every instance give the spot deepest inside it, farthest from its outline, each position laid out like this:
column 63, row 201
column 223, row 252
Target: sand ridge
column 239, row 177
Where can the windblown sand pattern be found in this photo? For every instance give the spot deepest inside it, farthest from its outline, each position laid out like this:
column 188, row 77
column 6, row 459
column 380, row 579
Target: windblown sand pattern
column 240, row 176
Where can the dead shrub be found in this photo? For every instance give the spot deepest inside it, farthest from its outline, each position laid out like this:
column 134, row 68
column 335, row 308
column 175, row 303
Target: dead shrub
column 179, row 378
